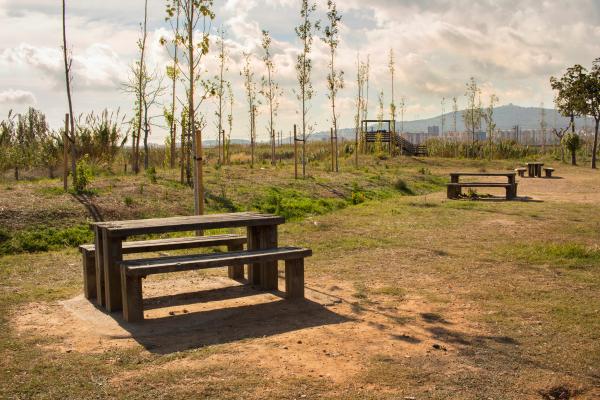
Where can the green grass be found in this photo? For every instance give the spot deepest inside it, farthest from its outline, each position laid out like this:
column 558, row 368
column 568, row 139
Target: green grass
column 562, row 255
column 44, row 239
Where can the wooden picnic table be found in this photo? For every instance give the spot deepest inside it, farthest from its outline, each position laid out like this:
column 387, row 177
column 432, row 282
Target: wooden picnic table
column 261, row 231
column 455, row 186
column 534, row 169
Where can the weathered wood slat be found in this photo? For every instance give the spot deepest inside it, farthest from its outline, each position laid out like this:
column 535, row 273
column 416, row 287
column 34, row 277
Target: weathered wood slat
column 480, row 184
column 189, row 223
column 150, row 266
column 93, row 270
column 483, row 174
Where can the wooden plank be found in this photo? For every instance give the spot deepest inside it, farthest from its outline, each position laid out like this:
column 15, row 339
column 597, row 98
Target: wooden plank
column 268, row 270
column 235, row 272
column 150, row 266
column 100, row 289
column 483, row 174
column 133, row 306
column 112, row 276
column 146, row 246
column 477, row 184
column 294, row 278
column 253, row 244
column 89, row 275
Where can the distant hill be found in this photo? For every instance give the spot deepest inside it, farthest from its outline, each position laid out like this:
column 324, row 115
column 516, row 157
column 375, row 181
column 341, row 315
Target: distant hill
column 506, row 117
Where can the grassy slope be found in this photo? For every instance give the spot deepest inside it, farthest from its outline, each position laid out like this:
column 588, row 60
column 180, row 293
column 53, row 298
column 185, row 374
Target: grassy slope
column 536, row 304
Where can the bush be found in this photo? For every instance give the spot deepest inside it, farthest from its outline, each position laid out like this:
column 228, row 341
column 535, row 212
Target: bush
column 44, row 239
column 84, row 174
column 402, row 187
column 151, row 175
column 293, row 204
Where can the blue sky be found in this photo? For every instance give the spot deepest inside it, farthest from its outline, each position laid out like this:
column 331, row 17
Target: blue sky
column 510, row 47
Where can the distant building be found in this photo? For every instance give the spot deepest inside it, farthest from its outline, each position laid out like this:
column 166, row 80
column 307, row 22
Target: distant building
column 433, row 130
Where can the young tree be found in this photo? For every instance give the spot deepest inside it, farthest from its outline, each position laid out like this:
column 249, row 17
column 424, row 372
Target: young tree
column 138, row 85
column 227, row 140
column 173, row 74
column 592, row 106
column 572, row 142
column 454, row 113
column 68, row 62
column 366, row 96
column 197, row 16
column 543, row 126
column 360, row 82
column 305, row 32
column 491, row 124
column 270, row 89
column 223, row 58
column 335, row 79
column 392, row 69
column 443, row 117
column 250, row 86
column 473, row 113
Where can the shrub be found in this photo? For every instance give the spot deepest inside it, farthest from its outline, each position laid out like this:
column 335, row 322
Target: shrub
column 84, row 174
column 402, row 186
column 128, row 200
column 151, row 175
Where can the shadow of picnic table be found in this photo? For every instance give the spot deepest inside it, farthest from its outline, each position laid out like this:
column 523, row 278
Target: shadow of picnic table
column 192, row 330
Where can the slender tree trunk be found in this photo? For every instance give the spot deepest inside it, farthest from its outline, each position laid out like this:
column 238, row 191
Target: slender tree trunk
column 174, row 97
column 573, row 157
column 141, row 73
column 69, row 98
column 182, row 160
column 198, row 192
column 595, row 148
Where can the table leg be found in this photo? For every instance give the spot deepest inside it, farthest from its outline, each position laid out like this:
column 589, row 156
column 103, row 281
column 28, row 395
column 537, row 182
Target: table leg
column 531, row 170
column 235, row 272
column 268, row 270
column 99, row 242
column 253, row 244
column 113, row 253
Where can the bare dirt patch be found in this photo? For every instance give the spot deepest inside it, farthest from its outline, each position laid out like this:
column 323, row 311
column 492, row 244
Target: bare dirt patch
column 331, row 335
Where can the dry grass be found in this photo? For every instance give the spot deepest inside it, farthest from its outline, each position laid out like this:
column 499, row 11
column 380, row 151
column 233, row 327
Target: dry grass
column 437, row 299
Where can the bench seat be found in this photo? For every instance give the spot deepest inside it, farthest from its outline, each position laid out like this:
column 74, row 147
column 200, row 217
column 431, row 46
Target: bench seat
column 93, row 274
column 548, row 171
column 132, row 271
column 454, row 189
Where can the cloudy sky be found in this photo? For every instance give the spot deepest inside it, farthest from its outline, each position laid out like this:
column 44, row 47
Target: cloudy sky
column 511, row 47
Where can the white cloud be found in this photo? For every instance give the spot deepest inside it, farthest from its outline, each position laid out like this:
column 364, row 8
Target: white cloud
column 18, row 97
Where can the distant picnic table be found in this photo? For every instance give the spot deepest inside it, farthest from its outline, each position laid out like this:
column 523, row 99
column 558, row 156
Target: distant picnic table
column 455, row 185
column 534, row 169
column 118, row 282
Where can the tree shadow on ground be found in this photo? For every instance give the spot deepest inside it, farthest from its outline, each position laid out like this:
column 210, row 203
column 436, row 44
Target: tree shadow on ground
column 192, row 330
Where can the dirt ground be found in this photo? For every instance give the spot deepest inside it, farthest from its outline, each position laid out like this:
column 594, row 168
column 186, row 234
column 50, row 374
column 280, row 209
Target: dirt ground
column 342, row 335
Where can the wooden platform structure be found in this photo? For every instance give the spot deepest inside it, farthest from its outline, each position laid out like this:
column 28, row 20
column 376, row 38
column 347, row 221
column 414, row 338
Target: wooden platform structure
column 455, row 186
column 390, row 137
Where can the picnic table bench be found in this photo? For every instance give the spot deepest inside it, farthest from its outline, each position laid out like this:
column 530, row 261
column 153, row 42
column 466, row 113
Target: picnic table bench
column 261, row 233
column 133, row 271
column 93, row 275
column 455, row 186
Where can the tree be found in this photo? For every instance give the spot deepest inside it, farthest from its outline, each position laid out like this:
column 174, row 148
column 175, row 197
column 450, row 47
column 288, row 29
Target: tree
column 250, row 86
column 473, row 113
column 270, row 89
column 335, row 79
column 572, row 142
column 305, row 32
column 443, row 117
column 139, row 80
column 491, row 125
column 173, row 74
column 223, row 58
column 592, row 100
column 227, row 140
column 543, row 126
column 360, row 82
column 197, row 17
column 454, row 113
column 68, row 61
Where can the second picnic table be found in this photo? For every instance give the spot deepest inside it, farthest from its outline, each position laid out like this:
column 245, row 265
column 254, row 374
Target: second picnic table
column 261, row 231
column 534, row 169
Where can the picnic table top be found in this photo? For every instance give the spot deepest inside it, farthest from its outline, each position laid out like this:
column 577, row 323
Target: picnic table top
column 535, row 163
column 484, row 173
column 189, row 223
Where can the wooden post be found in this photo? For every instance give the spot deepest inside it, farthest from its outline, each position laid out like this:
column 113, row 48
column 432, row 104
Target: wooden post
column 295, row 154
column 235, row 272
column 294, row 279
column 268, row 270
column 89, row 274
column 332, row 152
column 253, row 235
column 133, row 305
column 100, row 290
column 113, row 254
column 66, row 154
column 199, row 187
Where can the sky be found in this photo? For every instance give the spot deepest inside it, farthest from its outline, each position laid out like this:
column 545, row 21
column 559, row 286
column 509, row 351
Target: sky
column 510, row 47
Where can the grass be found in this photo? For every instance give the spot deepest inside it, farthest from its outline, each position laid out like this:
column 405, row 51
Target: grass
column 516, row 317
column 44, row 239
